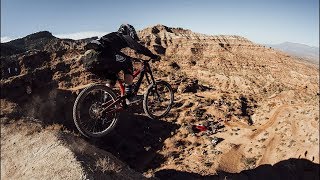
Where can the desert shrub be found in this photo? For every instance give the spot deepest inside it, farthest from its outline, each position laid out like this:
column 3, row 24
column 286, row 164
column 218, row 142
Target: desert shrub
column 174, row 65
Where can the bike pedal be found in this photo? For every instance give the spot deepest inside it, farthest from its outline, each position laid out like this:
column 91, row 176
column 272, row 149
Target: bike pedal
column 136, row 101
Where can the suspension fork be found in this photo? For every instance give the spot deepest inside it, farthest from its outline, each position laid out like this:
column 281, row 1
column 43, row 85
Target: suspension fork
column 148, row 71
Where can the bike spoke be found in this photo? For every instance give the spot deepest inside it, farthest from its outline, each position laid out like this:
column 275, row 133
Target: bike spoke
column 105, row 121
column 92, row 129
column 159, row 99
column 85, row 125
column 93, row 103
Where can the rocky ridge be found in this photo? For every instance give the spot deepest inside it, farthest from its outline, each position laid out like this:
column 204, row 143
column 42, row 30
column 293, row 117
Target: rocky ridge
column 185, row 43
column 265, row 101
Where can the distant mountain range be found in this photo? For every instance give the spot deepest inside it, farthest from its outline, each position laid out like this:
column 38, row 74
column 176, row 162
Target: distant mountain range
column 40, row 41
column 309, row 53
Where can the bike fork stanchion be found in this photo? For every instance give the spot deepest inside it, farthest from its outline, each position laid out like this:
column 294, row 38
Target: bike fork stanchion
column 122, row 89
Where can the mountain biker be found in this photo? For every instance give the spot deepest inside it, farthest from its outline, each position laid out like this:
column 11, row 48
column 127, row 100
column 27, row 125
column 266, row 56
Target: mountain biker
column 113, row 60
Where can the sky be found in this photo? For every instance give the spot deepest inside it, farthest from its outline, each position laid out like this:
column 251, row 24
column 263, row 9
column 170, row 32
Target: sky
column 261, row 21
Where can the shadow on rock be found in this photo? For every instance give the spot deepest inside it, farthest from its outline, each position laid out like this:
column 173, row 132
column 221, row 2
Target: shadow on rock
column 47, row 105
column 290, row 169
column 97, row 163
column 136, row 140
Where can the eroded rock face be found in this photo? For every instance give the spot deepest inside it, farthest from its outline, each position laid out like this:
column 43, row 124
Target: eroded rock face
column 185, row 43
column 228, row 63
column 221, row 78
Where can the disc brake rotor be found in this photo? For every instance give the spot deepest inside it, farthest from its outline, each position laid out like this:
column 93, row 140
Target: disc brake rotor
column 95, row 111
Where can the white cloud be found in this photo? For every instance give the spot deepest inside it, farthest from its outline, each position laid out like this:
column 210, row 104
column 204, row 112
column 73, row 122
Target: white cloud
column 6, row 39
column 81, row 35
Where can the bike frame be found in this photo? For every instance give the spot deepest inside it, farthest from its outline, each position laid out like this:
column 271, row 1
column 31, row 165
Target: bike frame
column 144, row 71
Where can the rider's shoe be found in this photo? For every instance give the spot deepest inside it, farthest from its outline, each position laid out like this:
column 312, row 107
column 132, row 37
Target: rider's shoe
column 134, row 99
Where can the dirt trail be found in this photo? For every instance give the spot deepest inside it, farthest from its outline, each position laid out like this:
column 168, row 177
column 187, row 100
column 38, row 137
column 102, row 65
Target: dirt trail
column 270, row 122
column 270, row 148
column 238, row 124
column 272, row 119
column 29, row 151
column 261, row 105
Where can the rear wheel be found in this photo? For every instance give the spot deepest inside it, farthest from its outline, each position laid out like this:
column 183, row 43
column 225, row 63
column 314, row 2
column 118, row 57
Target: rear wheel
column 158, row 100
column 88, row 113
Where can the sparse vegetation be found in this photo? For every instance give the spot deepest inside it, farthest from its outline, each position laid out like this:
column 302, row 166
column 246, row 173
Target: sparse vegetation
column 107, row 166
column 249, row 163
column 233, row 88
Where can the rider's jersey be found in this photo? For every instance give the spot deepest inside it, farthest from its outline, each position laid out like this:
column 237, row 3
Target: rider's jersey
column 114, row 42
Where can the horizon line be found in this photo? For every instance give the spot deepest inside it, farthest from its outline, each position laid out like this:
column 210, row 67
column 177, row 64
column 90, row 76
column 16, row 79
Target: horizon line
column 90, row 34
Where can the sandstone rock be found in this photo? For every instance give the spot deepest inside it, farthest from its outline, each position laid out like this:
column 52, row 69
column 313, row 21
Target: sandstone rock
column 251, row 83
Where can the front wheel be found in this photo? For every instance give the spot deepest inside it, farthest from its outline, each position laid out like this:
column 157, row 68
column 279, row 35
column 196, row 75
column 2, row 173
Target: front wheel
column 158, row 100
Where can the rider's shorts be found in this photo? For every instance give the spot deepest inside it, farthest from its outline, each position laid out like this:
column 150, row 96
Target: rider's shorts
column 115, row 63
column 123, row 63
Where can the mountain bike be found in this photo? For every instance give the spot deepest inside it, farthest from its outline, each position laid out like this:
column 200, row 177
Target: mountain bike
column 97, row 108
